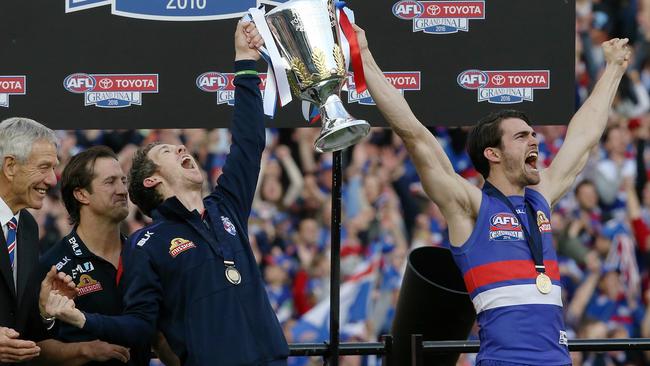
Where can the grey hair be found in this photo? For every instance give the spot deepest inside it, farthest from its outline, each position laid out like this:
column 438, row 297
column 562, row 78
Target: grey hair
column 17, row 135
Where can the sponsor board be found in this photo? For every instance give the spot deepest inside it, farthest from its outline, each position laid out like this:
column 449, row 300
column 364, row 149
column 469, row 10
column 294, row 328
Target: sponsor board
column 11, row 85
column 504, row 86
column 401, row 80
column 111, row 90
column 221, row 84
column 439, row 17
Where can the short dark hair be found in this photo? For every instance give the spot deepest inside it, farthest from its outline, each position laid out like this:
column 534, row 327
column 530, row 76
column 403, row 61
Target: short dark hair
column 488, row 133
column 79, row 173
column 142, row 168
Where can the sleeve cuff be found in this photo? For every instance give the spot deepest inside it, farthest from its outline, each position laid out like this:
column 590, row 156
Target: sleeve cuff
column 245, row 65
column 91, row 324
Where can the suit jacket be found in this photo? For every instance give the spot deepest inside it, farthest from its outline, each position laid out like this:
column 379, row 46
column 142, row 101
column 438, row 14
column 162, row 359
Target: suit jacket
column 19, row 305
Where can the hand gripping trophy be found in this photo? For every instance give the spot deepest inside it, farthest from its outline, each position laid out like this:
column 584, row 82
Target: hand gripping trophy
column 306, row 34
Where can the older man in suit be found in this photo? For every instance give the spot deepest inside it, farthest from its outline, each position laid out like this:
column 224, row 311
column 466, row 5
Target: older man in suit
column 28, row 156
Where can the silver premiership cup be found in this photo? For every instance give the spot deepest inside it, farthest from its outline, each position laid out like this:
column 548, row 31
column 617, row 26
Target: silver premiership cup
column 306, row 33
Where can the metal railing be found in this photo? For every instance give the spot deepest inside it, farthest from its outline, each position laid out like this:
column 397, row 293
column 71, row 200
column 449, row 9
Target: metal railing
column 419, row 347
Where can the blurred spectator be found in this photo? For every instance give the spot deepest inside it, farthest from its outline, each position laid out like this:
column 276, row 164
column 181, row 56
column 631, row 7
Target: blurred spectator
column 614, row 168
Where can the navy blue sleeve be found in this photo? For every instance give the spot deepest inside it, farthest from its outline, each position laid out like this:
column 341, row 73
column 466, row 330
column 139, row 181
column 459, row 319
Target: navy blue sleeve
column 142, row 298
column 242, row 166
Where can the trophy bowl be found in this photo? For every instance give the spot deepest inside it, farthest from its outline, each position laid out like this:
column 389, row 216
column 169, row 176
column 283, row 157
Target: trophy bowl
column 306, row 34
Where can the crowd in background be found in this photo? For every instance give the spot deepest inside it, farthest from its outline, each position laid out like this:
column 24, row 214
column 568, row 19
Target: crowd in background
column 601, row 227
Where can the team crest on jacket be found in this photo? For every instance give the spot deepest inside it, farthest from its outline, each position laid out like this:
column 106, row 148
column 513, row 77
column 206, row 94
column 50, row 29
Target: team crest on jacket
column 505, row 227
column 179, row 245
column 543, row 223
column 88, row 285
column 227, row 224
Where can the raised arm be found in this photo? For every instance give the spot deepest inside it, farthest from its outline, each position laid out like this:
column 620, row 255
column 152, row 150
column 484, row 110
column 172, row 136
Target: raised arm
column 456, row 197
column 296, row 181
column 587, row 125
column 241, row 170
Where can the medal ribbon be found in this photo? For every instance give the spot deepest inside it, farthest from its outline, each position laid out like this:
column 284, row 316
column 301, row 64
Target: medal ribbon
column 533, row 239
column 224, row 248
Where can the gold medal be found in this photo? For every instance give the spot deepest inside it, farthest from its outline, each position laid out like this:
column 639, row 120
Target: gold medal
column 543, row 283
column 232, row 275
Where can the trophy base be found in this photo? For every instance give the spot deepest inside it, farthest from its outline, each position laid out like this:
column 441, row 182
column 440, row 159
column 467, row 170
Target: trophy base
column 339, row 130
column 347, row 133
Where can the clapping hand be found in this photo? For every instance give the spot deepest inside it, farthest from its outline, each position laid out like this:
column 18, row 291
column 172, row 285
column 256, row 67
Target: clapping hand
column 54, row 281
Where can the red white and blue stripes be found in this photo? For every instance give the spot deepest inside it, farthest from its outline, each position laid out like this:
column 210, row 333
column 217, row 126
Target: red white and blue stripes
column 509, row 283
column 12, row 226
column 518, row 323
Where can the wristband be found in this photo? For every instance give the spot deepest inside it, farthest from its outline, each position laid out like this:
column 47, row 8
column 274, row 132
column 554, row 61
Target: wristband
column 46, row 318
column 48, row 321
column 246, row 72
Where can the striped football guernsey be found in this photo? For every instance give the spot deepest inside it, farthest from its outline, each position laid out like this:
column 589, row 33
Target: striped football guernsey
column 518, row 324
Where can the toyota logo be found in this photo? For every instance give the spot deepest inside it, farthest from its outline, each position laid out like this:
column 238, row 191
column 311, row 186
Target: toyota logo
column 106, row 83
column 498, row 79
column 433, row 10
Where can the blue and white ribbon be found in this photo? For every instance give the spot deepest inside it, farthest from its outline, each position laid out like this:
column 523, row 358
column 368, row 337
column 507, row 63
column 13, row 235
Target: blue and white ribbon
column 277, row 82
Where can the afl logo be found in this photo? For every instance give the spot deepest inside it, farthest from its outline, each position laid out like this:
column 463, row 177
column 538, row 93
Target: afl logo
column 504, row 221
column 79, row 83
column 472, row 79
column 212, row 81
column 407, row 9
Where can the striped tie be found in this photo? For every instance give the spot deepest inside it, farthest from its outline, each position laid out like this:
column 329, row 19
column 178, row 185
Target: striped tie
column 11, row 240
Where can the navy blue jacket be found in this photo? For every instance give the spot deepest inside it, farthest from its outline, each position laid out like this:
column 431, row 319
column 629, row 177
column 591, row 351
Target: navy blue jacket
column 174, row 273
